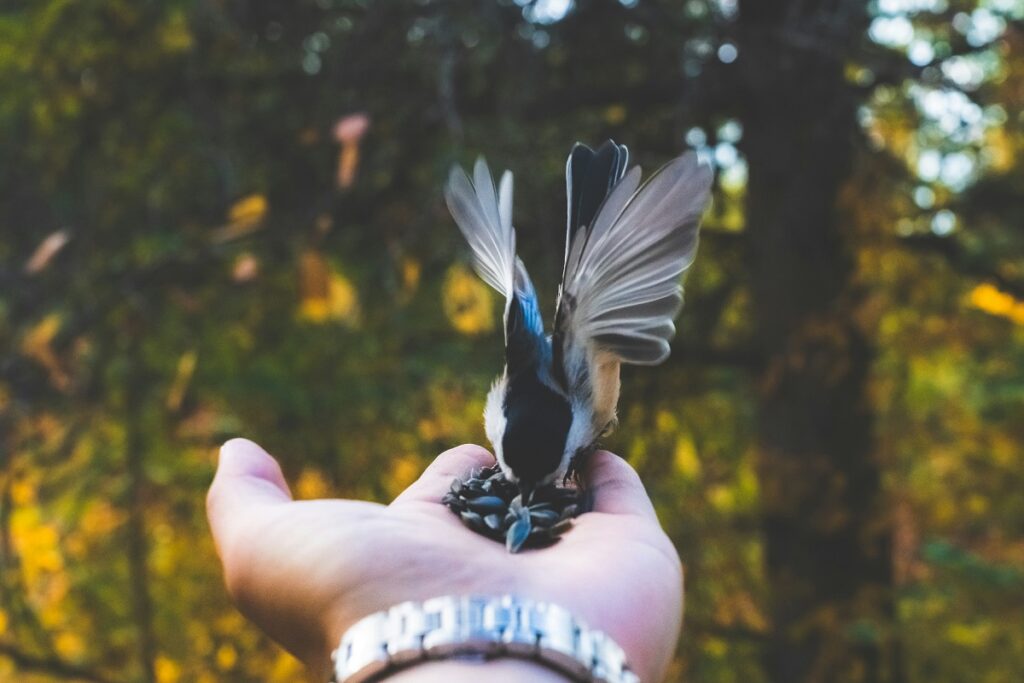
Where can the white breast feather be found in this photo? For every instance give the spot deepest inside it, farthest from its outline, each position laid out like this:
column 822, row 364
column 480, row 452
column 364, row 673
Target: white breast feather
column 494, row 421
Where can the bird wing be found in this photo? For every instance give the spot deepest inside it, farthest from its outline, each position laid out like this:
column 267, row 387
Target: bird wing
column 589, row 177
column 485, row 218
column 620, row 289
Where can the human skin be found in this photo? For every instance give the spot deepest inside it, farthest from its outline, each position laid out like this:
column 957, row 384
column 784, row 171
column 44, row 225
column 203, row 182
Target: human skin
column 304, row 571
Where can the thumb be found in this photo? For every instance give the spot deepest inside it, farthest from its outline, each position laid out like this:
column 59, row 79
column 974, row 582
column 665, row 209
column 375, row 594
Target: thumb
column 248, row 480
column 616, row 487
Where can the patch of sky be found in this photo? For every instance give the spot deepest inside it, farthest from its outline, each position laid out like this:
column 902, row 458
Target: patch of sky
column 311, row 63
column 957, row 170
column 726, row 154
column 1014, row 9
column 699, row 47
column 894, row 31
column 545, row 11
column 929, row 164
column 734, row 178
column 730, row 131
column 966, row 71
column 924, row 196
column 635, row 33
column 727, row 8
column 911, row 6
column 995, row 115
column 951, row 112
column 980, row 27
column 318, row 42
column 696, row 138
column 943, row 222
column 920, row 53
column 695, row 9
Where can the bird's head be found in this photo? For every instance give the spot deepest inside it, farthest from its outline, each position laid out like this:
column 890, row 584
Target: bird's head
column 530, row 436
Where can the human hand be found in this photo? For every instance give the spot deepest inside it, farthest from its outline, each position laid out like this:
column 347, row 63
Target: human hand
column 304, row 571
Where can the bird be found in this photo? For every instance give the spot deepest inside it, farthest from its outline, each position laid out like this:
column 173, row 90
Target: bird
column 627, row 246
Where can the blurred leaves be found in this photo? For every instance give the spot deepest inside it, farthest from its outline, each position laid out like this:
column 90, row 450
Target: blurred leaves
column 220, row 284
column 467, row 301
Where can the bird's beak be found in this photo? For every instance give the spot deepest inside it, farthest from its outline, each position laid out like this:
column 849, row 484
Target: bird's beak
column 526, row 489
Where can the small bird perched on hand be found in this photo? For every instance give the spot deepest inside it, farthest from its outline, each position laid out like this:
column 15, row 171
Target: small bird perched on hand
column 627, row 245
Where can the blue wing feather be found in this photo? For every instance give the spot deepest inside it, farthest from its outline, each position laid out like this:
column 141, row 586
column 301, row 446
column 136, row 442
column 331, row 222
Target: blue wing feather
column 525, row 342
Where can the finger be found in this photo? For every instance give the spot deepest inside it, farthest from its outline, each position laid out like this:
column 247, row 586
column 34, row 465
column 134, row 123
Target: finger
column 616, row 486
column 437, row 478
column 248, row 480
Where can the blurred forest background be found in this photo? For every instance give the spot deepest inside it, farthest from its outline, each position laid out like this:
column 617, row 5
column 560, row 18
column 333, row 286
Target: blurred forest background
column 224, row 217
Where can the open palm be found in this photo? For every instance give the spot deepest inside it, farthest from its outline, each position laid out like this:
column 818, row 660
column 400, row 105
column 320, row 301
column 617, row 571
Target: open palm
column 305, row 571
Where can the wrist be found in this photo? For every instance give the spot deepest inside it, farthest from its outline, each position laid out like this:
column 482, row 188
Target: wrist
column 493, row 671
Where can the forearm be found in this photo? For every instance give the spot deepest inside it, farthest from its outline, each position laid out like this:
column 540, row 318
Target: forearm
column 493, row 671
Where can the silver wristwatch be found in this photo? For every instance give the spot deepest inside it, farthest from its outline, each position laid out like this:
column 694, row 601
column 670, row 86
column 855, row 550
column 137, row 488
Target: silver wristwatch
column 478, row 627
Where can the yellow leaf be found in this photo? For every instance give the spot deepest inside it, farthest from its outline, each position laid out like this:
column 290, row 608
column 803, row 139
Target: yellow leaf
column 722, row 498
column 342, row 299
column 686, row 460
column 100, row 518
column 23, row 491
column 990, row 299
column 175, row 35
column 36, row 345
column 666, row 422
column 312, row 485
column 410, row 274
column 969, row 635
column 615, row 114
column 226, row 657
column 70, row 645
column 467, row 301
column 166, row 669
column 285, row 669
column 404, row 471
column 715, row 647
column 245, row 216
column 182, row 377
column 326, row 293
column 248, row 209
column 314, row 310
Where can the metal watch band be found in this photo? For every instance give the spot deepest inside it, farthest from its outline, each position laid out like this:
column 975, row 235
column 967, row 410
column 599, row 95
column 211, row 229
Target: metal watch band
column 486, row 627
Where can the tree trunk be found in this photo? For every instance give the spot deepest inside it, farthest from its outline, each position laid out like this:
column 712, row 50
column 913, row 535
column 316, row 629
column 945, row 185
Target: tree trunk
column 826, row 548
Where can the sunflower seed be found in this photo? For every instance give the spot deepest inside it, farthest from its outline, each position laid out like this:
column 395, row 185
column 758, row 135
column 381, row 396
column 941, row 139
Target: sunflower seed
column 543, row 518
column 486, row 505
column 493, row 521
column 516, row 505
column 560, row 528
column 517, row 534
column 473, row 521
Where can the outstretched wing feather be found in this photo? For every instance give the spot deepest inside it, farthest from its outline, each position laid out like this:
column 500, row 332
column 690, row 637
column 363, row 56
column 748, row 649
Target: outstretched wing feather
column 485, row 219
column 622, row 277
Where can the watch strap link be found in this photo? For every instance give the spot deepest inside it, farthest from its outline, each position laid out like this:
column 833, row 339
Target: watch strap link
column 478, row 626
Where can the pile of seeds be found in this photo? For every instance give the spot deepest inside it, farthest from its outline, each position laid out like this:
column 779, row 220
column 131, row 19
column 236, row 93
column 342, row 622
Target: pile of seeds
column 491, row 505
